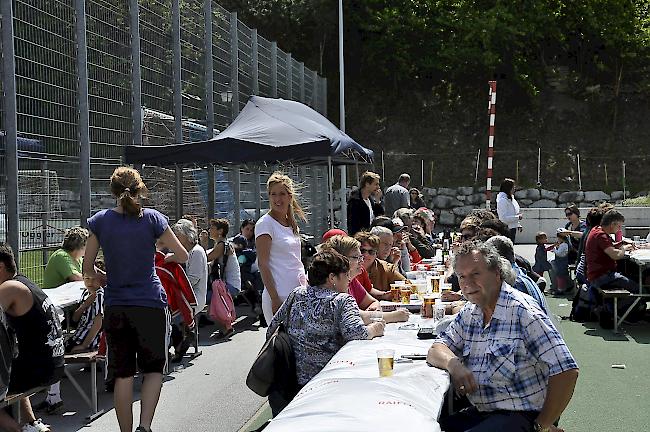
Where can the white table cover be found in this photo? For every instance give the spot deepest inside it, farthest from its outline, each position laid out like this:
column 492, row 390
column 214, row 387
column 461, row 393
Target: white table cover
column 348, row 394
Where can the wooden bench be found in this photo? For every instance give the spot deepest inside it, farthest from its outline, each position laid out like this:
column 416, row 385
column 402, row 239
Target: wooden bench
column 86, row 358
column 13, row 400
column 614, row 294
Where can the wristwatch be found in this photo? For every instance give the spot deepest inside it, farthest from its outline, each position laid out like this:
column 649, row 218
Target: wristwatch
column 538, row 428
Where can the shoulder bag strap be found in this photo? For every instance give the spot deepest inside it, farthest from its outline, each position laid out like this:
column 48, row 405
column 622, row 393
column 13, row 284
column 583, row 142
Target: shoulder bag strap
column 290, row 299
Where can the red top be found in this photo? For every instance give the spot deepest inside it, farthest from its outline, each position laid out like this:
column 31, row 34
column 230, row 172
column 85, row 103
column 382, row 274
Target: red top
column 180, row 296
column 356, row 290
column 364, row 279
column 598, row 262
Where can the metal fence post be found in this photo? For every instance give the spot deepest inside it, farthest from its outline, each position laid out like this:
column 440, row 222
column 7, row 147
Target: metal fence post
column 315, row 207
column 178, row 99
column 289, row 77
column 274, row 69
column 236, row 188
column 234, row 62
column 302, row 82
column 324, row 98
column 209, row 69
column 82, row 105
column 10, row 127
column 136, row 86
column 209, row 101
column 255, row 62
column 258, row 192
column 315, row 96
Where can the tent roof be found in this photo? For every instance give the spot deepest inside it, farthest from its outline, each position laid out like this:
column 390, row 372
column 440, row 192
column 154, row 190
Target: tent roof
column 266, row 130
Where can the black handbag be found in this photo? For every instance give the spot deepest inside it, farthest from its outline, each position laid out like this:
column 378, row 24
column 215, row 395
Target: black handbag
column 274, row 369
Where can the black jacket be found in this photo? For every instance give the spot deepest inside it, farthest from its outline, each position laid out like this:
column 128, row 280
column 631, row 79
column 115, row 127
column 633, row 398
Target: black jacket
column 359, row 213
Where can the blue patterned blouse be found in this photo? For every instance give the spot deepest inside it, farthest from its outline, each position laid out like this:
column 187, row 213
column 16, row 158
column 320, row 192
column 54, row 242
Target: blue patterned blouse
column 321, row 322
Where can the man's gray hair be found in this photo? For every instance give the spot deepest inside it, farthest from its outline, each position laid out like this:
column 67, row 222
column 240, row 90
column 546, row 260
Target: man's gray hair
column 381, row 231
column 186, row 228
column 504, row 246
column 404, row 178
column 405, row 214
column 493, row 260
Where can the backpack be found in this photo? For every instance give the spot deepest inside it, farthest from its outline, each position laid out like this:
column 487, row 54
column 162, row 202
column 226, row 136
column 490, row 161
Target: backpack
column 583, row 304
column 8, row 352
column 222, row 307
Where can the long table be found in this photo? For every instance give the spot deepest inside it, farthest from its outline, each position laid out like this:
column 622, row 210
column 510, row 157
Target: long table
column 66, row 295
column 641, row 258
column 348, row 394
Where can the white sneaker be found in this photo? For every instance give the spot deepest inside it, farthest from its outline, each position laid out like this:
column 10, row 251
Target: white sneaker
column 36, row 426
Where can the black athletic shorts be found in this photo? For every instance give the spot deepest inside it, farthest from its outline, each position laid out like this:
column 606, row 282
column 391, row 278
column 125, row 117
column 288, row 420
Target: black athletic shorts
column 136, row 339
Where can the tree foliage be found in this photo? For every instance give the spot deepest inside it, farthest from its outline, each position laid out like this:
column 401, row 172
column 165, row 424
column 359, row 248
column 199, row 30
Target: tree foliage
column 459, row 43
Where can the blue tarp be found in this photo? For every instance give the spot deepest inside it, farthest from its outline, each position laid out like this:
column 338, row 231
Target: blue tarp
column 266, row 130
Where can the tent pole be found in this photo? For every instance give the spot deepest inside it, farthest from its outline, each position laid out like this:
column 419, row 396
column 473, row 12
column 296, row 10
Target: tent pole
column 330, row 181
column 344, row 198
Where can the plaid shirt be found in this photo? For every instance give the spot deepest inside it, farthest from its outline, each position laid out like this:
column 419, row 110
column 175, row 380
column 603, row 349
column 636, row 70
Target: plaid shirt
column 512, row 356
column 526, row 285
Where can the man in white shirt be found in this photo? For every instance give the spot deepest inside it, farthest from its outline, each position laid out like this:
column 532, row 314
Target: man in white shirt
column 397, row 195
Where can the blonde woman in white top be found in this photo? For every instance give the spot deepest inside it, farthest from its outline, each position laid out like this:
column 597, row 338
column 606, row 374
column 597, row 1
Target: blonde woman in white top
column 277, row 242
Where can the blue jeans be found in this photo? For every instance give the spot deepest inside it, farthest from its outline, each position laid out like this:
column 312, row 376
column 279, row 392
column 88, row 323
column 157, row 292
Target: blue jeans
column 615, row 280
column 473, row 420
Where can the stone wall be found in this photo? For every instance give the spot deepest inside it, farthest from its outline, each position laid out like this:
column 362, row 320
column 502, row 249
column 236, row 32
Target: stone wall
column 453, row 204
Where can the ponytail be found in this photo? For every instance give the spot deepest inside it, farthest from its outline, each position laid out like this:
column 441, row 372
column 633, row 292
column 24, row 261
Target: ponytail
column 130, row 205
column 127, row 186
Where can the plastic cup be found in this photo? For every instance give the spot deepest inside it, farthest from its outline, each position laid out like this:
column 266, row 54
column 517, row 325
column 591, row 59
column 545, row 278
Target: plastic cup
column 377, row 316
column 636, row 239
column 385, row 359
column 405, row 294
column 438, row 312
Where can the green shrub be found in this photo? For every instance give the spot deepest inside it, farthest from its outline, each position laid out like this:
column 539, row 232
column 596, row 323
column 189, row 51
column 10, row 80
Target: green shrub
column 642, row 201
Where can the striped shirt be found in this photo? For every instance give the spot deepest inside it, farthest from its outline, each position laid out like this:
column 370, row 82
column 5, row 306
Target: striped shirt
column 87, row 318
column 513, row 356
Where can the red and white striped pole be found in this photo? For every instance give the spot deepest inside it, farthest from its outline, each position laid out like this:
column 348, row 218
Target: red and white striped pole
column 492, row 109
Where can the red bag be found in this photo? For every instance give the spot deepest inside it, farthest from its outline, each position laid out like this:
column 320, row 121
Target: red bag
column 222, row 308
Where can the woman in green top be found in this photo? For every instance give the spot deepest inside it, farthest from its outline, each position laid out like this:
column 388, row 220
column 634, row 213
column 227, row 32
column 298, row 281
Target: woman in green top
column 64, row 265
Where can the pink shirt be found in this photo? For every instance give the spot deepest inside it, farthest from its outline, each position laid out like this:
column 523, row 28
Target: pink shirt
column 356, row 290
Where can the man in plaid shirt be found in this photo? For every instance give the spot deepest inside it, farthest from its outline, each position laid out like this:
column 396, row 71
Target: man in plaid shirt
column 502, row 352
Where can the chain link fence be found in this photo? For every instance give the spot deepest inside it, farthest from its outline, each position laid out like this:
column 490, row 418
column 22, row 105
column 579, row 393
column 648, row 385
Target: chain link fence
column 222, row 63
column 530, row 168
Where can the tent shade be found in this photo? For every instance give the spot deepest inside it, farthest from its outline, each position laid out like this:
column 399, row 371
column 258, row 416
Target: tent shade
column 267, row 130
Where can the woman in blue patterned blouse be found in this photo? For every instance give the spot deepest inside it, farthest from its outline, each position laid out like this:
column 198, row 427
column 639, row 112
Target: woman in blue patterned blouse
column 323, row 318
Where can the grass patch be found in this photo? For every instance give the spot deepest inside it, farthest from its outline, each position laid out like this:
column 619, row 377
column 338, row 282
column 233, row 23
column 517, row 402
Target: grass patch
column 32, row 264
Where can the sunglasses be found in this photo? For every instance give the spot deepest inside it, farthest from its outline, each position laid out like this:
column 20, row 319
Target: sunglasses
column 467, row 236
column 368, row 251
column 356, row 257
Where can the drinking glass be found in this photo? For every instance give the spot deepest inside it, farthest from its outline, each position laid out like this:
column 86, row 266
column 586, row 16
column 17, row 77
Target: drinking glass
column 385, row 359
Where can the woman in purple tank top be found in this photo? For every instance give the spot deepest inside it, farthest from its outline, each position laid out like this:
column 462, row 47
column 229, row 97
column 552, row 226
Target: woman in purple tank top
column 136, row 318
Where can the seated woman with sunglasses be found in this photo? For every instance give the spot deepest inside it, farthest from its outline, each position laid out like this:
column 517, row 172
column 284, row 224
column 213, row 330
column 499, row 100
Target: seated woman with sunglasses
column 349, row 248
column 322, row 317
column 381, row 273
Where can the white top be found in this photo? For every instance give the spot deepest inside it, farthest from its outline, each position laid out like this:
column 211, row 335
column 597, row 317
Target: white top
column 508, row 210
column 372, row 213
column 232, row 274
column 197, row 273
column 562, row 250
column 284, row 259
